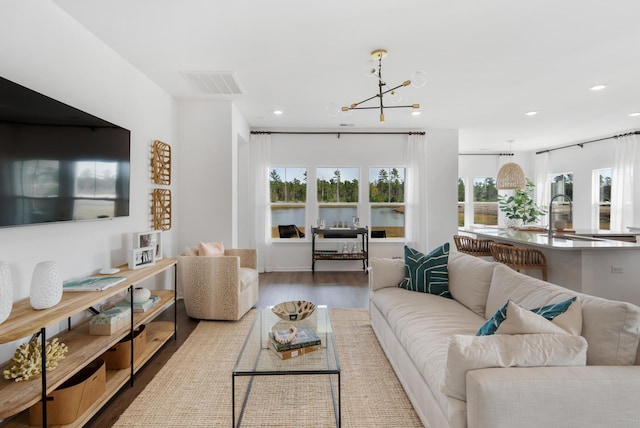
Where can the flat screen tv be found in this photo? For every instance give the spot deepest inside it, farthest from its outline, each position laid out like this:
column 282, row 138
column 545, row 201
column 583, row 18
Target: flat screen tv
column 58, row 163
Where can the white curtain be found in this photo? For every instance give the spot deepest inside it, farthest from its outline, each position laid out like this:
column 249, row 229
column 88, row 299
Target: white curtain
column 416, row 203
column 543, row 187
column 260, row 153
column 625, row 188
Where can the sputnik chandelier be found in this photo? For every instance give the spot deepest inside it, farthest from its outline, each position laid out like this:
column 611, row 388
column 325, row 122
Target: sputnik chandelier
column 372, row 69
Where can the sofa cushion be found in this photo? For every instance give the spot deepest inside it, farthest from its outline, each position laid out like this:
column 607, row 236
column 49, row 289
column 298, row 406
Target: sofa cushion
column 611, row 328
column 385, row 272
column 427, row 273
column 466, row 353
column 423, row 323
column 513, row 319
column 469, row 280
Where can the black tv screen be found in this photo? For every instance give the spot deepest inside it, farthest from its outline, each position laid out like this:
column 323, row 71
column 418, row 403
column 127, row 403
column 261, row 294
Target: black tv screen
column 58, row 163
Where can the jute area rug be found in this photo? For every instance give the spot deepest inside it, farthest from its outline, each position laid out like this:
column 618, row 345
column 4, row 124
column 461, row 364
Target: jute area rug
column 194, row 388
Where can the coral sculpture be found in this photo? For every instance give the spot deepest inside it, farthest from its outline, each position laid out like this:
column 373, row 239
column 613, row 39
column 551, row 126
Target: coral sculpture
column 28, row 359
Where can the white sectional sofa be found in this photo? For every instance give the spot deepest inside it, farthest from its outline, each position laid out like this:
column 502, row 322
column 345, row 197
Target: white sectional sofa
column 418, row 333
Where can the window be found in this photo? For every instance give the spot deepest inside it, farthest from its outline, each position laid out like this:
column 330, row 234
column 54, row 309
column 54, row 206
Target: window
column 338, row 195
column 288, row 197
column 461, row 199
column 603, row 198
column 386, row 198
column 485, row 201
column 562, row 184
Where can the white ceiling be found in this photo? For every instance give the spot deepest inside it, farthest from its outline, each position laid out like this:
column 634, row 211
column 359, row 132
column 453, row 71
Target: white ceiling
column 487, row 61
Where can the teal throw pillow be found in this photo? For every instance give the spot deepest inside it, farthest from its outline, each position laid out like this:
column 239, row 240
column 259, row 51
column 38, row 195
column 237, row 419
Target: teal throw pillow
column 549, row 312
column 427, row 273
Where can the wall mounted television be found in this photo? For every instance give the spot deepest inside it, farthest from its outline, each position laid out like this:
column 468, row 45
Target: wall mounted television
column 58, row 163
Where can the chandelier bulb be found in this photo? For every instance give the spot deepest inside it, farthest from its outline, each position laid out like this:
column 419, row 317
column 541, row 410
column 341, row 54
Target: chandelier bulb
column 333, row 109
column 418, row 79
column 381, row 117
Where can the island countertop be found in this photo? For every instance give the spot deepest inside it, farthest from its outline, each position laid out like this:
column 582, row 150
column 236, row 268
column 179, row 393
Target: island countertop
column 578, row 240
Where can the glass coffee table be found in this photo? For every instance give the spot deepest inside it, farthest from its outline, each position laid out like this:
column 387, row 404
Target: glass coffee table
column 256, row 360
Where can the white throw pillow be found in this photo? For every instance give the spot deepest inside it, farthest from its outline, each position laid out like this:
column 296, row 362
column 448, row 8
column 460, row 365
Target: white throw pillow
column 524, row 321
column 504, row 350
column 385, row 272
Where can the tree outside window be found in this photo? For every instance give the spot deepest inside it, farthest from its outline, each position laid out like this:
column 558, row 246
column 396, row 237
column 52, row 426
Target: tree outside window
column 288, row 197
column 485, row 201
column 461, row 199
column 337, row 194
column 386, row 197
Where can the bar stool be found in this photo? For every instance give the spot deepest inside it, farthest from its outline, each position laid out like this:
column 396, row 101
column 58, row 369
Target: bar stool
column 518, row 258
column 473, row 246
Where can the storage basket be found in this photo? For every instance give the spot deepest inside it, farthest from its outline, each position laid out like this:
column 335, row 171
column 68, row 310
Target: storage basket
column 71, row 399
column 119, row 356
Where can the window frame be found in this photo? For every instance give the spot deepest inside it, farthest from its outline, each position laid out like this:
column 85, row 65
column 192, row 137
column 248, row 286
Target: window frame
column 474, row 202
column 274, row 235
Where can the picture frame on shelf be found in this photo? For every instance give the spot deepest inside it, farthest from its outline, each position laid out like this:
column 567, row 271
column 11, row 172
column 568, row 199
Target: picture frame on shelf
column 152, row 238
column 142, row 257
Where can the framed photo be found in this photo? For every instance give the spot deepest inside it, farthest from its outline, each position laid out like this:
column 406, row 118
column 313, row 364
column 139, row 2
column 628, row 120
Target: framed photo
column 150, row 239
column 141, row 257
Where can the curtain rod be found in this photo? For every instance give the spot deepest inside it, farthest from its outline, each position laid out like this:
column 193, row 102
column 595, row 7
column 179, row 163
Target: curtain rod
column 587, row 142
column 485, row 154
column 338, row 133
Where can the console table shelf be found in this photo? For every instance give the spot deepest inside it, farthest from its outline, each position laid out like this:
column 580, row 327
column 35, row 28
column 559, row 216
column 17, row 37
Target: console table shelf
column 17, row 397
column 361, row 233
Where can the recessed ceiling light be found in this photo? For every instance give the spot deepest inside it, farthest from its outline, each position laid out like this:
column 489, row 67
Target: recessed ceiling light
column 635, row 114
column 598, row 87
column 532, row 113
column 416, row 113
column 277, row 112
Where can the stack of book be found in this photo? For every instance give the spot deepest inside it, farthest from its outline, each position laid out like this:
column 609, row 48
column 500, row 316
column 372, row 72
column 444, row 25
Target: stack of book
column 306, row 341
column 140, row 306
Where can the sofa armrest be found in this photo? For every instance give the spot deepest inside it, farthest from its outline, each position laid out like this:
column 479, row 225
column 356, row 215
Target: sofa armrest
column 593, row 396
column 248, row 256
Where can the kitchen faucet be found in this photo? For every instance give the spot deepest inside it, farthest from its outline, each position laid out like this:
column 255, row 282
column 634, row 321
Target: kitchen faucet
column 551, row 212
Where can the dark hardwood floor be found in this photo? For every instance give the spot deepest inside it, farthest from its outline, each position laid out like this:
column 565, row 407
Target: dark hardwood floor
column 334, row 289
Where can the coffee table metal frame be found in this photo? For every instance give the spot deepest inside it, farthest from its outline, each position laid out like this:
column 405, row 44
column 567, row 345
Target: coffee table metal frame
column 256, row 359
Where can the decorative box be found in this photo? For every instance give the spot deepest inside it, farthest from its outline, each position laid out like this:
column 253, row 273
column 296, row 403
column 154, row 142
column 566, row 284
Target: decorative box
column 119, row 356
column 110, row 321
column 71, row 399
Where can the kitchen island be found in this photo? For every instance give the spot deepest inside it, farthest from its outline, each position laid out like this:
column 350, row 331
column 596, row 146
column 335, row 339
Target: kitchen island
column 585, row 261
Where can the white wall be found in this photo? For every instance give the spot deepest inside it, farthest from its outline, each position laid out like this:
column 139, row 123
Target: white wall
column 47, row 51
column 213, row 138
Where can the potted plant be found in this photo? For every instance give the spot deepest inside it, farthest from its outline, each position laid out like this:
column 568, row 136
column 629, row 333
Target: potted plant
column 520, row 207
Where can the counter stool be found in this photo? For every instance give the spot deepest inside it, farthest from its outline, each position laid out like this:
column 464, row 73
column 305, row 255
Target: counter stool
column 518, row 258
column 473, row 246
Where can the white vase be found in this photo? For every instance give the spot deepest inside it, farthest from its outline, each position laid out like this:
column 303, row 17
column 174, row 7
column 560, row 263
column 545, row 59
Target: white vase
column 6, row 292
column 46, row 285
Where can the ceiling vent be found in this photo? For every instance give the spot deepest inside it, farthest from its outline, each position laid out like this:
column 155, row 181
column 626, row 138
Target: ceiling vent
column 214, row 82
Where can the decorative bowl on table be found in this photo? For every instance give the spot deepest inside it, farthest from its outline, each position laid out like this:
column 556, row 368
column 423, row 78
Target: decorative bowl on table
column 294, row 310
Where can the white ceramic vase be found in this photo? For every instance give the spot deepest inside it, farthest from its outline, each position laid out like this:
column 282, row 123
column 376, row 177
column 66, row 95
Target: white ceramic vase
column 6, row 292
column 140, row 294
column 46, row 286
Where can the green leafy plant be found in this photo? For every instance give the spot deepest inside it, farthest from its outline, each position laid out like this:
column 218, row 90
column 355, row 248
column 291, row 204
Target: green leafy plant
column 521, row 205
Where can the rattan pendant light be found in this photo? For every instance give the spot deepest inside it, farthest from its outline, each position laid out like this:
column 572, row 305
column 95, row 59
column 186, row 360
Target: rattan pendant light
column 511, row 176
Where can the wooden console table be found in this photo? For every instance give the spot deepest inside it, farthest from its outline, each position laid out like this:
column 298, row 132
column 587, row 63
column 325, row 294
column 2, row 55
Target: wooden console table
column 361, row 233
column 24, row 321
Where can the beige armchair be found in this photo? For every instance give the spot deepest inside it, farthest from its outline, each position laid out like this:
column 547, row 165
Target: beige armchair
column 219, row 288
